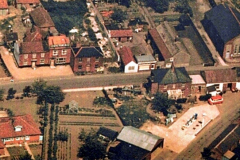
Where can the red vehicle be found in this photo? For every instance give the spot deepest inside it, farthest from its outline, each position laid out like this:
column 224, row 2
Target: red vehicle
column 218, row 99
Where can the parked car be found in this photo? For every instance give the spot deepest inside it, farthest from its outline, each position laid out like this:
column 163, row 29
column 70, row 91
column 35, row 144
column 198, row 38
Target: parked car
column 218, row 99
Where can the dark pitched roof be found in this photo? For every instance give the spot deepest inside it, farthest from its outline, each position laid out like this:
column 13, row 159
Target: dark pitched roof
column 111, row 134
column 33, row 47
column 160, row 43
column 225, row 20
column 170, row 76
column 126, row 55
column 12, row 36
column 41, row 18
column 88, row 51
column 219, row 76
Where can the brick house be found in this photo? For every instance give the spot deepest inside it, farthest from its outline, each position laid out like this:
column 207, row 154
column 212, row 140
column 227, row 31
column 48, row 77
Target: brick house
column 222, row 23
column 127, row 61
column 59, row 50
column 86, row 59
column 34, row 34
column 121, row 35
column 175, row 81
column 18, row 130
column 27, row 4
column 3, row 7
column 31, row 54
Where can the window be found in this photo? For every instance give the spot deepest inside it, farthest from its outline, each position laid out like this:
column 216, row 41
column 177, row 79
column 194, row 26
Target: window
column 42, row 55
column 237, row 49
column 27, row 138
column 60, row 60
column 152, row 66
column 55, row 52
column 64, row 52
column 88, row 60
column 96, row 65
column 34, row 55
column 131, row 68
column 97, row 59
column 42, row 61
column 22, row 138
column 25, row 56
column 80, row 59
column 17, row 138
column 25, row 63
column 80, row 67
column 173, row 86
column 183, row 85
column 165, row 86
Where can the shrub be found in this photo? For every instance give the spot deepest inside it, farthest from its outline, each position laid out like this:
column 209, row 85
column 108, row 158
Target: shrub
column 182, row 100
column 205, row 97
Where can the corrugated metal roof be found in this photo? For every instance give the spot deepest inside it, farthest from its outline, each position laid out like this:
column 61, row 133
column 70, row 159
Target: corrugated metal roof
column 139, row 138
column 145, row 58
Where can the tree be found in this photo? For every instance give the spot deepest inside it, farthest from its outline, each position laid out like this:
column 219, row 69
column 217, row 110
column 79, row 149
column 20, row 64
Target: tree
column 1, row 94
column 92, row 148
column 119, row 15
column 63, row 136
column 47, row 94
column 160, row 102
column 159, row 5
column 26, row 91
column 11, row 93
column 25, row 156
column 206, row 153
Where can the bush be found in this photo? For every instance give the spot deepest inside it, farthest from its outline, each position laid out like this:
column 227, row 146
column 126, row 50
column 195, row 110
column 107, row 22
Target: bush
column 114, row 69
column 182, row 100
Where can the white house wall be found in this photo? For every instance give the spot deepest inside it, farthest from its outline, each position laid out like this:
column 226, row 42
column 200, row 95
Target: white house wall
column 131, row 64
column 220, row 85
column 238, row 85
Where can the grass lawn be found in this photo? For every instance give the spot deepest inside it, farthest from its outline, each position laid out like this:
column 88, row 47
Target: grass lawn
column 16, row 151
column 22, row 106
column 36, row 150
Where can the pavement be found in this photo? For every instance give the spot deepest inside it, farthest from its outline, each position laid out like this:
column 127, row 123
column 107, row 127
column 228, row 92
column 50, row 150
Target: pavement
column 29, row 73
column 175, row 137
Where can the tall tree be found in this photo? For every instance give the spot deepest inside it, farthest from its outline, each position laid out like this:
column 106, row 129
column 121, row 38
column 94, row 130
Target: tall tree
column 1, row 94
column 92, row 148
column 26, row 91
column 25, row 156
column 160, row 102
column 159, row 5
column 38, row 88
column 119, row 15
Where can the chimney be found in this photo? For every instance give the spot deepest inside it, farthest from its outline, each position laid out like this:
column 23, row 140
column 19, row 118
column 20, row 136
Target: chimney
column 172, row 67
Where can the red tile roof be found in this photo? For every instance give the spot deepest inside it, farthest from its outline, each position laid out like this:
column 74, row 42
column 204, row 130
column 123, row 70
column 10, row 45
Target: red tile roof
column 220, row 76
column 126, row 55
column 106, row 13
column 29, row 127
column 41, row 18
column 120, row 33
column 1, row 145
column 32, row 47
column 58, row 40
column 3, row 4
column 33, row 35
column 160, row 43
column 27, row 1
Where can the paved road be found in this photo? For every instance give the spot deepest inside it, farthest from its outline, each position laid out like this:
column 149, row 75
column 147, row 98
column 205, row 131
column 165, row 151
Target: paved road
column 228, row 112
column 83, row 81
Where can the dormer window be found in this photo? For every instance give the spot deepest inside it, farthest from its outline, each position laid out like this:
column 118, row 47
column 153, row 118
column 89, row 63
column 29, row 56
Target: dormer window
column 18, row 128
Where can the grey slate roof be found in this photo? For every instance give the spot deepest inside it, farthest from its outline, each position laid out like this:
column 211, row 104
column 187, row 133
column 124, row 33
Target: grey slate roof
column 88, row 51
column 145, row 58
column 170, row 76
column 224, row 21
column 139, row 138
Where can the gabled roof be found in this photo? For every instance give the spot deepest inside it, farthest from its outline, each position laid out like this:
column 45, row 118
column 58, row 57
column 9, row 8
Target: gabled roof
column 13, row 36
column 121, row 33
column 226, row 20
column 145, row 58
column 61, row 40
column 27, row 1
column 33, row 34
column 29, row 127
column 111, row 134
column 3, row 4
column 220, row 75
column 87, row 51
column 138, row 138
column 126, row 55
column 33, row 47
column 41, row 18
column 197, row 79
column 170, row 75
column 160, row 43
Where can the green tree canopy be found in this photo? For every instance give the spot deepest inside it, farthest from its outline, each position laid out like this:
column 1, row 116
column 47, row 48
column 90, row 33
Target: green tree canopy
column 25, row 156
column 158, row 5
column 119, row 15
column 1, row 94
column 92, row 148
column 160, row 102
